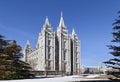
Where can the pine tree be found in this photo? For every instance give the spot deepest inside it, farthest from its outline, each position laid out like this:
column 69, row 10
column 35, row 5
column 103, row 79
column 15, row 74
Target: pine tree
column 5, row 66
column 114, row 63
column 11, row 67
column 3, row 43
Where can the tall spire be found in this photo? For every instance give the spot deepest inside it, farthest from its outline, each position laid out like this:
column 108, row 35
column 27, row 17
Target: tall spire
column 61, row 24
column 73, row 31
column 47, row 21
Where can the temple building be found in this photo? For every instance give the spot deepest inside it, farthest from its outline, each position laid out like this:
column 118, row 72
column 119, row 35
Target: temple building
column 55, row 51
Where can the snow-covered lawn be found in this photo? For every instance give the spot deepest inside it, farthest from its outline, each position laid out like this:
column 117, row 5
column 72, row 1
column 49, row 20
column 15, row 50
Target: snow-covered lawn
column 92, row 76
column 59, row 79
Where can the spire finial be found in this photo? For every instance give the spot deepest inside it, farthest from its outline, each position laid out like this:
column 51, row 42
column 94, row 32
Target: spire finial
column 61, row 14
column 73, row 31
column 27, row 43
column 61, row 21
column 47, row 17
column 46, row 20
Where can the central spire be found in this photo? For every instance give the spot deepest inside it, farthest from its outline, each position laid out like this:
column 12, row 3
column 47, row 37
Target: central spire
column 61, row 24
column 47, row 21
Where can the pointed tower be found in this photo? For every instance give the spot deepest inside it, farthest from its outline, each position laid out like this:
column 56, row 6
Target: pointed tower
column 46, row 46
column 46, row 27
column 62, row 28
column 75, row 53
column 27, row 50
column 47, row 21
column 63, row 47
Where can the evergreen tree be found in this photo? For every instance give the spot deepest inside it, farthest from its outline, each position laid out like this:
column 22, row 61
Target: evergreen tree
column 11, row 67
column 114, row 63
column 3, row 43
column 5, row 66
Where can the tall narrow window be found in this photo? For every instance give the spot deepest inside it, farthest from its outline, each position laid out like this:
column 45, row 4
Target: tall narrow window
column 76, row 54
column 48, row 49
column 49, row 56
column 76, row 49
column 76, row 59
column 49, row 65
column 64, row 44
column 49, row 42
column 64, row 54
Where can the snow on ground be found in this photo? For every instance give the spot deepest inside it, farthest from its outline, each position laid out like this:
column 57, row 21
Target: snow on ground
column 58, row 79
column 92, row 76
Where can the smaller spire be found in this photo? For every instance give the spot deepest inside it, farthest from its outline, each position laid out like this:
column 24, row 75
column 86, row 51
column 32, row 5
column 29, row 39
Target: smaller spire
column 27, row 43
column 47, row 21
column 28, row 46
column 73, row 31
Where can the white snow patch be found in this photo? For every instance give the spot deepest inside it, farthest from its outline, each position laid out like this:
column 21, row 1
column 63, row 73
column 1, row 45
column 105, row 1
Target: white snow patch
column 58, row 79
column 92, row 76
